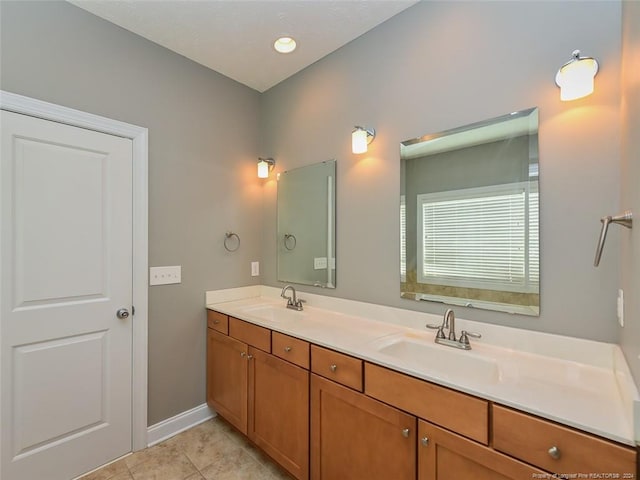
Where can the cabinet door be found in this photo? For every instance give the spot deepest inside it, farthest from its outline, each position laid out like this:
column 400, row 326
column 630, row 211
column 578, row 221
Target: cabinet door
column 443, row 455
column 227, row 373
column 357, row 437
column 279, row 411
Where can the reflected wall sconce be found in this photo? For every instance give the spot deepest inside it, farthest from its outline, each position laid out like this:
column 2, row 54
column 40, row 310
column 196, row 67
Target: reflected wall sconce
column 575, row 78
column 361, row 137
column 265, row 165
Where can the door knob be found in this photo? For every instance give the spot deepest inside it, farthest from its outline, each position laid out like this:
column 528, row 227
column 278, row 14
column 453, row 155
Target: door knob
column 122, row 313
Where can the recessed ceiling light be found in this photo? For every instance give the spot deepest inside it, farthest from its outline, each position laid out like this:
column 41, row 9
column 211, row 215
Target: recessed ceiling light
column 285, row 45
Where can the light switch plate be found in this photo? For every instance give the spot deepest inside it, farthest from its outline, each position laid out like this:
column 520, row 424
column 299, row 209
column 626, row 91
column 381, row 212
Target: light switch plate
column 255, row 269
column 165, row 275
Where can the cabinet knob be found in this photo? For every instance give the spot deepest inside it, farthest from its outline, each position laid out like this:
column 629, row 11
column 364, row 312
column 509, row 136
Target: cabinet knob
column 287, row 349
column 405, row 432
column 216, row 322
column 554, row 452
column 243, row 354
column 333, row 367
column 249, row 357
column 424, row 441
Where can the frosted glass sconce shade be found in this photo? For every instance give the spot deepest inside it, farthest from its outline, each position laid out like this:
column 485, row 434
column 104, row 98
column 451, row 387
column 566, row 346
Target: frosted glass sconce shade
column 265, row 165
column 361, row 137
column 575, row 78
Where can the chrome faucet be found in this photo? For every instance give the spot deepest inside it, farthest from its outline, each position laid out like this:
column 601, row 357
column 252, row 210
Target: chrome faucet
column 292, row 302
column 449, row 323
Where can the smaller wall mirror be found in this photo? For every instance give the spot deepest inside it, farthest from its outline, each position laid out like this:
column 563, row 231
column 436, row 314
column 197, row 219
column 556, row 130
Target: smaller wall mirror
column 306, row 225
column 469, row 215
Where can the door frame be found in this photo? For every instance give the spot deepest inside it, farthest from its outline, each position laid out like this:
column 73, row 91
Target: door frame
column 139, row 135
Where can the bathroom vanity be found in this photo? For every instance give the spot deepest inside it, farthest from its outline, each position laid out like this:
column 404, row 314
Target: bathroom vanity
column 330, row 394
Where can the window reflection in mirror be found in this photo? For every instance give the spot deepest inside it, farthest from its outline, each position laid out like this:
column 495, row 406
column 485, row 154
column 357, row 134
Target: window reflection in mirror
column 306, row 225
column 469, row 224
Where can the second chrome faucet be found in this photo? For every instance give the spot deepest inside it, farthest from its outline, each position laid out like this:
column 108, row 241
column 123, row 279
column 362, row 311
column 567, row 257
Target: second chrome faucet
column 451, row 340
column 293, row 302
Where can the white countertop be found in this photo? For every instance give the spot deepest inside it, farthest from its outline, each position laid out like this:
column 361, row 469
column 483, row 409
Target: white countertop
column 579, row 383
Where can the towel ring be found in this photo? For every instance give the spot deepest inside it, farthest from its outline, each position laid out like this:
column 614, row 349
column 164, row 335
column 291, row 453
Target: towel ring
column 287, row 237
column 227, row 236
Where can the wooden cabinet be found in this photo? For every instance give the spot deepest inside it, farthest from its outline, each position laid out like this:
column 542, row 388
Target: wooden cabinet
column 218, row 321
column 291, row 349
column 559, row 449
column 227, row 376
column 264, row 397
column 279, row 411
column 443, row 455
column 350, row 419
column 338, row 367
column 456, row 411
column 356, row 437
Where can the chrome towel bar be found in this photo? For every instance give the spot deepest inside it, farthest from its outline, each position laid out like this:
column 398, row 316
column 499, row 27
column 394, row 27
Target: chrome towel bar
column 625, row 219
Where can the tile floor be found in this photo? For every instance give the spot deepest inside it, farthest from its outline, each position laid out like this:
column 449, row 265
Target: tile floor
column 212, row 450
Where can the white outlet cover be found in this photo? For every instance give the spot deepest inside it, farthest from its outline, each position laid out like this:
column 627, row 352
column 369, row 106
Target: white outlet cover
column 621, row 307
column 255, row 269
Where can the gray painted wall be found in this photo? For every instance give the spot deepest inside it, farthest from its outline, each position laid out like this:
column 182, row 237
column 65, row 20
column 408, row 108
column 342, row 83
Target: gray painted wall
column 630, row 275
column 203, row 145
column 439, row 65
column 436, row 66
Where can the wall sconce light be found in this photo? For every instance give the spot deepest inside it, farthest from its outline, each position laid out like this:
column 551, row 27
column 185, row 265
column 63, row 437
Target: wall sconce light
column 575, row 78
column 265, row 165
column 361, row 137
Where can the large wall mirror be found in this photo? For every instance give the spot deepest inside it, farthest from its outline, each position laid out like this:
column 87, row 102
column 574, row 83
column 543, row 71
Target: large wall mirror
column 306, row 225
column 469, row 215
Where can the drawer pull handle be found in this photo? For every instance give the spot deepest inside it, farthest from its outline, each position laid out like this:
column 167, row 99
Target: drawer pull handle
column 424, row 441
column 287, row 349
column 554, row 452
column 405, row 432
column 333, row 367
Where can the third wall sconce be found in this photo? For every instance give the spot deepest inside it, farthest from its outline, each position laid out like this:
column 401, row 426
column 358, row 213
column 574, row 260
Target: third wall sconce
column 575, row 78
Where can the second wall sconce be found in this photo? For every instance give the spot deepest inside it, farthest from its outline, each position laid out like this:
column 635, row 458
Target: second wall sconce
column 575, row 78
column 361, row 137
column 265, row 165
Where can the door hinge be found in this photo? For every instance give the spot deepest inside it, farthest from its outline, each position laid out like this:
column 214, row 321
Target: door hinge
column 133, row 310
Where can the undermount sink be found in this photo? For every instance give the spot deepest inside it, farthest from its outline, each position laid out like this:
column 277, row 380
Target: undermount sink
column 272, row 313
column 440, row 361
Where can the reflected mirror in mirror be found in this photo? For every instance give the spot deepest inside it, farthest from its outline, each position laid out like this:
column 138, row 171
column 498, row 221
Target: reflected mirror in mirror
column 306, row 225
column 469, row 215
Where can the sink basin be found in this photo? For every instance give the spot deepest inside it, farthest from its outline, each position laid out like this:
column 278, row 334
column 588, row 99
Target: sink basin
column 440, row 361
column 272, row 313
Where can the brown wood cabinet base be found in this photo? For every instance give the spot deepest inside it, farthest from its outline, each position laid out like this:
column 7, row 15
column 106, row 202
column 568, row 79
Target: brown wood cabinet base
column 351, row 419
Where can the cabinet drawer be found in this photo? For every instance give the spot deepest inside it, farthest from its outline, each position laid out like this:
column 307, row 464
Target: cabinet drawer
column 218, row 321
column 464, row 414
column 337, row 367
column 291, row 349
column 250, row 334
column 530, row 439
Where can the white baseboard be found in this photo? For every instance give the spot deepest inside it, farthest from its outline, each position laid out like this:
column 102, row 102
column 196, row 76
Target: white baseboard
column 179, row 423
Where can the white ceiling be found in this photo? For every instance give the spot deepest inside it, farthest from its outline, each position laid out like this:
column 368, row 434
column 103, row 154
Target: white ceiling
column 235, row 37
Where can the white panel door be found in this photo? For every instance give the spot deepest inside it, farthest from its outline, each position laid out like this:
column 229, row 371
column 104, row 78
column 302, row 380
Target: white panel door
column 66, row 258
